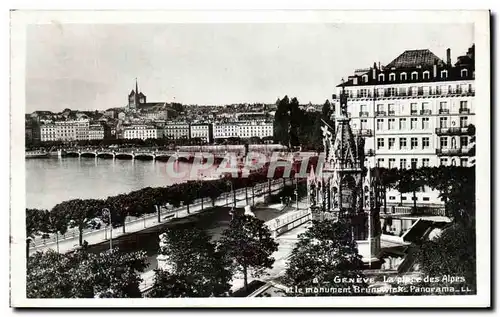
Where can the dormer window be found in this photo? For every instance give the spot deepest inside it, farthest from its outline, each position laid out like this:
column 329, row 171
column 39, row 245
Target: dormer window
column 365, row 78
column 444, row 74
column 381, row 77
column 464, row 72
column 426, row 74
column 392, row 77
column 414, row 76
column 403, row 76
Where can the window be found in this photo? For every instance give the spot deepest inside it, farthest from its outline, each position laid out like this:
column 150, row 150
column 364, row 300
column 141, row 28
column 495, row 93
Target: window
column 381, row 77
column 363, row 108
column 443, row 122
column 363, row 93
column 414, row 162
column 363, row 123
column 444, row 162
column 463, row 104
column 463, row 122
column 391, row 124
column 414, row 76
column 380, row 143
column 443, row 106
column 402, row 143
column 380, row 162
column 464, row 141
column 392, row 77
column 463, row 162
column 443, row 142
column 391, row 197
column 391, row 92
column 464, row 73
column 402, row 123
column 444, row 74
column 380, row 107
column 365, row 78
column 392, row 163
column 413, row 108
column 425, row 162
column 391, row 143
column 380, row 124
column 425, row 198
column 403, row 76
column 425, row 123
column 402, row 163
column 414, row 143
column 426, row 74
column 391, row 109
column 402, row 91
column 413, row 123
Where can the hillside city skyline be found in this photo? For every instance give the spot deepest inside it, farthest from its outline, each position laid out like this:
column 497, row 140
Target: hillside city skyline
column 260, row 69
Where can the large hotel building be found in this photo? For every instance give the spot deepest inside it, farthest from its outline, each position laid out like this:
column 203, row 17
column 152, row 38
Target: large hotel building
column 414, row 111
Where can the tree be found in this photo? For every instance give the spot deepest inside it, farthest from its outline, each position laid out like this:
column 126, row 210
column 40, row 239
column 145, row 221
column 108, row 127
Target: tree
column 81, row 213
column 281, row 122
column 196, row 268
column 84, row 275
column 324, row 252
column 296, row 117
column 327, row 113
column 452, row 253
column 248, row 242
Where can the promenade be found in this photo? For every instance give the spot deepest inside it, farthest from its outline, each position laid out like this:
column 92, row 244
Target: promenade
column 69, row 241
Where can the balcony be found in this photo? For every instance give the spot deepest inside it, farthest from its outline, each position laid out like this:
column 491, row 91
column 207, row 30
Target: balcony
column 392, row 113
column 425, row 112
column 380, row 113
column 364, row 132
column 370, row 153
column 413, row 112
column 464, row 111
column 451, row 131
column 363, row 114
column 453, row 152
column 444, row 111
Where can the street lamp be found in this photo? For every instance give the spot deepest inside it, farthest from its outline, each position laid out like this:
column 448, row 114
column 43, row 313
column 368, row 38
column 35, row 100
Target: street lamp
column 106, row 212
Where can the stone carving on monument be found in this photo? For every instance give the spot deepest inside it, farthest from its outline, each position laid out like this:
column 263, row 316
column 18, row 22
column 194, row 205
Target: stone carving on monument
column 346, row 189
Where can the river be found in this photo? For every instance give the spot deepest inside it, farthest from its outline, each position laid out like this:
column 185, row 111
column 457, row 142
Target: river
column 50, row 181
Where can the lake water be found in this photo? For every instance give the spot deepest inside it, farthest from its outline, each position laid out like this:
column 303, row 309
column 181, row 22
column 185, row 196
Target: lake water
column 53, row 180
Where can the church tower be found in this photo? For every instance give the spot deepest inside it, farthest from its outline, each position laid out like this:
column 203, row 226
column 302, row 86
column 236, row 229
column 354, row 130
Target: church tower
column 345, row 189
column 135, row 98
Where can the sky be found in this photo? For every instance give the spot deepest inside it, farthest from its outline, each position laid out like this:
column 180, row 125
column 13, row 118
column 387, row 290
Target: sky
column 94, row 66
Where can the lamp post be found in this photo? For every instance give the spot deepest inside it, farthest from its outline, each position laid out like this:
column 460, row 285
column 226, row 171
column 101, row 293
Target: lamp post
column 106, row 212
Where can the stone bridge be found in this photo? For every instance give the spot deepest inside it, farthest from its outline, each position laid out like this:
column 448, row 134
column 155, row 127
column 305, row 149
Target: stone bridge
column 154, row 154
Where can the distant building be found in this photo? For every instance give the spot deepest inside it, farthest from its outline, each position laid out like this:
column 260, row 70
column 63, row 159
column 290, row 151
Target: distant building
column 176, row 131
column 201, row 130
column 141, row 132
column 74, row 130
column 135, row 98
column 243, row 129
column 48, row 132
column 97, row 131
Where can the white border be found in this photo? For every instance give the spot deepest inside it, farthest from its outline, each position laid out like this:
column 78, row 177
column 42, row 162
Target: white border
column 481, row 21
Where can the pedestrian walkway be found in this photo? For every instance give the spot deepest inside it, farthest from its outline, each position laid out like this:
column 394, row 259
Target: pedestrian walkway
column 70, row 242
column 286, row 242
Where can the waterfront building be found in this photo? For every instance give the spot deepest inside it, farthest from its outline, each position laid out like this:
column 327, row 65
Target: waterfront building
column 141, row 132
column 203, row 131
column 176, row 131
column 243, row 129
column 97, row 132
column 72, row 130
column 414, row 112
column 48, row 132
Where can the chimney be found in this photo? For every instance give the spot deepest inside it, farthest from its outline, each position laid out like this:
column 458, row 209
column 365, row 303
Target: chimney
column 355, row 80
column 374, row 71
column 448, row 57
column 435, row 70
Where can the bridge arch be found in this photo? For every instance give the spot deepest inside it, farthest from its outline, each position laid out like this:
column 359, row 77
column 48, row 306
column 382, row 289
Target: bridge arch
column 126, row 156
column 106, row 155
column 88, row 154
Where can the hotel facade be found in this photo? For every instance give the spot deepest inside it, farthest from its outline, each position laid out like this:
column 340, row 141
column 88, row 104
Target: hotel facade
column 414, row 112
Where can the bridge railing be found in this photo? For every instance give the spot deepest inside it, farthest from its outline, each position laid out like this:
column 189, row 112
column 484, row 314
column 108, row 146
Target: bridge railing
column 411, row 211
